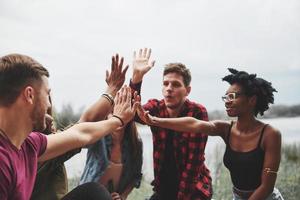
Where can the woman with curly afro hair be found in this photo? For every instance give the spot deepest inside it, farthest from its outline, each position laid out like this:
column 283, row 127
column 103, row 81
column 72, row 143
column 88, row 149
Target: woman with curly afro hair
column 253, row 148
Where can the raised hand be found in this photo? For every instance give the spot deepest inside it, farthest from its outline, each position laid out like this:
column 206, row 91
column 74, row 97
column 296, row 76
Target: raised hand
column 141, row 64
column 123, row 108
column 116, row 77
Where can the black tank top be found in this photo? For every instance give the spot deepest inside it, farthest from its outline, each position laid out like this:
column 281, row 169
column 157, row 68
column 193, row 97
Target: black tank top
column 245, row 167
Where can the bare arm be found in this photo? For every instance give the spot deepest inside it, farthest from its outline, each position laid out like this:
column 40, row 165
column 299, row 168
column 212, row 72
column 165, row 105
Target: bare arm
column 272, row 147
column 86, row 133
column 114, row 79
column 185, row 124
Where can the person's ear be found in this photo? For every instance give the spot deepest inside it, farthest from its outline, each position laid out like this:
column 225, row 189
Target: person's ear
column 29, row 94
column 253, row 100
column 188, row 90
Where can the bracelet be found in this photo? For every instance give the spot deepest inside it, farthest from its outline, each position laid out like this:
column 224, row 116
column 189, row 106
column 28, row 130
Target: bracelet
column 121, row 120
column 109, row 97
column 268, row 170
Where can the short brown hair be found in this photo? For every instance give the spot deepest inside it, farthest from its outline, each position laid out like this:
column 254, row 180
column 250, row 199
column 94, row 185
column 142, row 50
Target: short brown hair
column 180, row 69
column 17, row 71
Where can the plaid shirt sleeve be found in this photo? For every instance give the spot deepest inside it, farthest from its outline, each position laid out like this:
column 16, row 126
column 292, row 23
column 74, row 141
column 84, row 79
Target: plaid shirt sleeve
column 195, row 178
column 151, row 105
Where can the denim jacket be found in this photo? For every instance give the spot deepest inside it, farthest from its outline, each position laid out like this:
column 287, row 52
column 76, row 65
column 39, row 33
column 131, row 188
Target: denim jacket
column 98, row 157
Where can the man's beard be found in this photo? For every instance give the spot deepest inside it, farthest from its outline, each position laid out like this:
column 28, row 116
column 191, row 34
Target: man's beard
column 38, row 118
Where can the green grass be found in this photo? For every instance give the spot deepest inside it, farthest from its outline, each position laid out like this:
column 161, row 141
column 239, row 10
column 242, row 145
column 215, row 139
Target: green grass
column 145, row 191
column 288, row 179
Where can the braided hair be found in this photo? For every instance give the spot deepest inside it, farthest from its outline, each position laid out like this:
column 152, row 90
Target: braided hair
column 253, row 86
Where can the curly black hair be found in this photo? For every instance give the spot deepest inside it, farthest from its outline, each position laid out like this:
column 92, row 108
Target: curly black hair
column 253, row 85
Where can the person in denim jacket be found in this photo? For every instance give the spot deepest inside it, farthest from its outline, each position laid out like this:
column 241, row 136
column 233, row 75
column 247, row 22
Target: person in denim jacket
column 116, row 162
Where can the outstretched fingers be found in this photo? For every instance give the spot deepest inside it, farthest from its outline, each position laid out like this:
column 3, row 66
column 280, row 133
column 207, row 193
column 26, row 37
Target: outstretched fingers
column 112, row 63
column 117, row 98
column 120, row 65
column 152, row 63
column 148, row 54
column 123, row 95
column 125, row 70
column 128, row 95
column 145, row 52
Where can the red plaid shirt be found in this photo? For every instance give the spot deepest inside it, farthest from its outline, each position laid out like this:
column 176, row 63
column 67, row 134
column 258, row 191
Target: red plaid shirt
column 194, row 177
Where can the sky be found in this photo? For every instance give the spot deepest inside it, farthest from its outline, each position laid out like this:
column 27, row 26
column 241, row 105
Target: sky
column 75, row 39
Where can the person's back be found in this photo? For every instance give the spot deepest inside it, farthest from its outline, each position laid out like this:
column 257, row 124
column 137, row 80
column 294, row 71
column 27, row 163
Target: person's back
column 51, row 181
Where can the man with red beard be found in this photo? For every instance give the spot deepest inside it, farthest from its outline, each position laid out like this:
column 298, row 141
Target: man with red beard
column 179, row 169
column 24, row 100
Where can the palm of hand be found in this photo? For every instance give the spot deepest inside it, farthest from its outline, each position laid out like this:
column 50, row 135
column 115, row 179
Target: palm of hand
column 141, row 64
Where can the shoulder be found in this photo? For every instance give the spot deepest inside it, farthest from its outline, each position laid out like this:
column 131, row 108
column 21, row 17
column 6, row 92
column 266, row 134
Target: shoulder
column 36, row 138
column 272, row 136
column 38, row 141
column 272, row 132
column 153, row 105
column 196, row 110
column 195, row 106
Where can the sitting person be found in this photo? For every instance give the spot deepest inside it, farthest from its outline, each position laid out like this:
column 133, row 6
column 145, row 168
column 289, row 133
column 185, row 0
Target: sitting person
column 24, row 101
column 51, row 181
column 253, row 148
column 54, row 170
column 116, row 161
column 180, row 172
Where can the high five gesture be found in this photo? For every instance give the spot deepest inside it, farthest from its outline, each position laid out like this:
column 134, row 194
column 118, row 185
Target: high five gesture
column 141, row 64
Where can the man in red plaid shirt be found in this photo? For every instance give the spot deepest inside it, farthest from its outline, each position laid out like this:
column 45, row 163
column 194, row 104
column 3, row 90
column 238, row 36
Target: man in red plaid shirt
column 179, row 169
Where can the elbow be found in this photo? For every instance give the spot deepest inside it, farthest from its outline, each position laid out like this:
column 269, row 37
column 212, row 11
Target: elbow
column 82, row 138
column 268, row 190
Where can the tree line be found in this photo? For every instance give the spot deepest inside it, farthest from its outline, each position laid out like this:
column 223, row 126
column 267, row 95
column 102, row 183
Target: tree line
column 67, row 115
column 275, row 111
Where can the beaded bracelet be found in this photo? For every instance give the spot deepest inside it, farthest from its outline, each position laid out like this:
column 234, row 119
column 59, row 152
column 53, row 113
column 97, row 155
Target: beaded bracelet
column 121, row 120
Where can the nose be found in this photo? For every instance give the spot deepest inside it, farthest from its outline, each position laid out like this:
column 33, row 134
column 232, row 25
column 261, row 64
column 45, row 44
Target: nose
column 169, row 87
column 227, row 103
